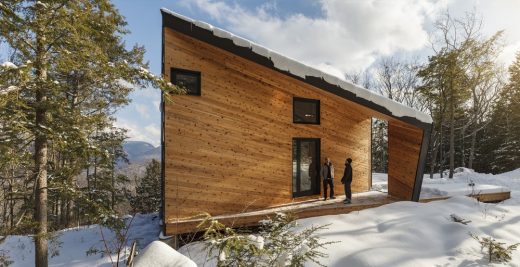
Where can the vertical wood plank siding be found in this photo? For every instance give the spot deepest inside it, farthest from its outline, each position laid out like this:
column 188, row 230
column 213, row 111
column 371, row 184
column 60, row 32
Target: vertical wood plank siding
column 404, row 145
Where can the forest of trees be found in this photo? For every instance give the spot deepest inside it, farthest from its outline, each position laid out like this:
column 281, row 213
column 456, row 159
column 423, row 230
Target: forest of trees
column 68, row 71
column 473, row 99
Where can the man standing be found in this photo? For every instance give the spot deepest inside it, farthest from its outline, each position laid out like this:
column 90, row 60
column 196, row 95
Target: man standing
column 327, row 172
column 347, row 181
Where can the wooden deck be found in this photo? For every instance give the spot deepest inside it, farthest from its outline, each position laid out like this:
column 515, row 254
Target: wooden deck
column 313, row 208
column 484, row 197
column 305, row 209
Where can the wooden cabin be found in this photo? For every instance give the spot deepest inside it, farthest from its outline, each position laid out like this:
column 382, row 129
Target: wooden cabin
column 255, row 127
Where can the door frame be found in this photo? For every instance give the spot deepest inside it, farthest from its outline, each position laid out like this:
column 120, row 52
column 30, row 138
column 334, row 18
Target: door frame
column 315, row 185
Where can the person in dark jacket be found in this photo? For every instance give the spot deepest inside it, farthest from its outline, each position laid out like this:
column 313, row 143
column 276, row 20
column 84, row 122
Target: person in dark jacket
column 347, row 181
column 327, row 173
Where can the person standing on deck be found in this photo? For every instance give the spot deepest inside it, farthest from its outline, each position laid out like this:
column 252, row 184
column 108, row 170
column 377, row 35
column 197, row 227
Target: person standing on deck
column 327, row 172
column 347, row 181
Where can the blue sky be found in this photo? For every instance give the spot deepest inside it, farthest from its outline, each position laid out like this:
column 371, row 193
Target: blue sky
column 336, row 36
column 142, row 116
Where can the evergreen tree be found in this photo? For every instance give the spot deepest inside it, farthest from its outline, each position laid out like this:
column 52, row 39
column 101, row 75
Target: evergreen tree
column 459, row 81
column 501, row 146
column 148, row 193
column 74, row 72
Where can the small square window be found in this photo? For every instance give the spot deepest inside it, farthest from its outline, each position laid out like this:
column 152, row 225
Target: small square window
column 187, row 79
column 306, row 110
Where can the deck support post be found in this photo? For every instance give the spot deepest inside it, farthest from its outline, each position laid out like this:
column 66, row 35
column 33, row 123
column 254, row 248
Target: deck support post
column 172, row 241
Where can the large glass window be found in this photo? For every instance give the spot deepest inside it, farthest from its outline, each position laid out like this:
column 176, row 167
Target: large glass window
column 187, row 79
column 306, row 164
column 306, row 110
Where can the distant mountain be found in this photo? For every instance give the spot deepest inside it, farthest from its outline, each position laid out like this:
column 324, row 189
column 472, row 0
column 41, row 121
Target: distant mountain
column 141, row 152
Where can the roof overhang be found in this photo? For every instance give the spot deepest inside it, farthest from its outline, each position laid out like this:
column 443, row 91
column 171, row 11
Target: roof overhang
column 249, row 50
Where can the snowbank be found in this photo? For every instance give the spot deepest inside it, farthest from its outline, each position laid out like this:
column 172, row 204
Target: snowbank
column 459, row 185
column 398, row 234
column 73, row 244
column 483, row 181
column 408, row 234
column 459, row 189
column 416, row 234
column 158, row 254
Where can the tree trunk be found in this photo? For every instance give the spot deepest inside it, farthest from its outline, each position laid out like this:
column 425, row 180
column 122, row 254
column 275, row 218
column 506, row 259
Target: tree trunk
column 472, row 149
column 40, row 154
column 88, row 181
column 40, row 161
column 435, row 149
column 113, row 189
column 452, row 136
column 462, row 150
column 441, row 154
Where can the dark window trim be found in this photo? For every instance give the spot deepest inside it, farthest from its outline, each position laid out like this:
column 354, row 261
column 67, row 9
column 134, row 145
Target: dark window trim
column 308, row 100
column 175, row 71
column 317, row 189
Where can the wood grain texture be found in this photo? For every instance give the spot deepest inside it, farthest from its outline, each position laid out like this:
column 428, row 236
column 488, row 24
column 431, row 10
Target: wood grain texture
column 404, row 145
column 484, row 197
column 230, row 149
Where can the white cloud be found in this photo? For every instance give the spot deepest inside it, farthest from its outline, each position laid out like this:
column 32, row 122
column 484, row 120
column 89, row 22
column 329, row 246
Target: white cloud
column 150, row 133
column 148, row 92
column 349, row 36
column 157, row 105
column 142, row 110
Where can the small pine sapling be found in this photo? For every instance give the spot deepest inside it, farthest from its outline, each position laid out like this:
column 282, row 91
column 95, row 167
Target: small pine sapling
column 279, row 242
column 496, row 251
column 4, row 259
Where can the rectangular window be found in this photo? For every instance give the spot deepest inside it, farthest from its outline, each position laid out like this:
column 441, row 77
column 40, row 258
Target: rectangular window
column 187, row 79
column 306, row 110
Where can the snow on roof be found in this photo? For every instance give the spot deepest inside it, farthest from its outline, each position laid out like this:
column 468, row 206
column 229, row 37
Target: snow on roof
column 296, row 68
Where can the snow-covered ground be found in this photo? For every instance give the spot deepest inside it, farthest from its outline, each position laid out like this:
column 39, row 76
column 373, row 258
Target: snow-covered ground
column 459, row 185
column 74, row 243
column 398, row 234
column 418, row 234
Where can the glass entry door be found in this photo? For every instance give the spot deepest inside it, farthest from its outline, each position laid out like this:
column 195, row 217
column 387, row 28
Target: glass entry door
column 306, row 165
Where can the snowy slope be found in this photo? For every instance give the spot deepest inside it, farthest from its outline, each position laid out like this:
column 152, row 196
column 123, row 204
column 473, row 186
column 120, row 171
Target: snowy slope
column 417, row 234
column 75, row 242
column 398, row 234
column 408, row 234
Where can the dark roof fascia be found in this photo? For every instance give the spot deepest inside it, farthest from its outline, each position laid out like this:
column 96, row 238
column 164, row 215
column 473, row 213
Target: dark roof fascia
column 421, row 164
column 192, row 30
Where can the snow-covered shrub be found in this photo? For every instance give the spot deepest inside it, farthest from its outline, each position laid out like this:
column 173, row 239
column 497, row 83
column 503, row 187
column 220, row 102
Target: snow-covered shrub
column 496, row 251
column 278, row 243
column 4, row 259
